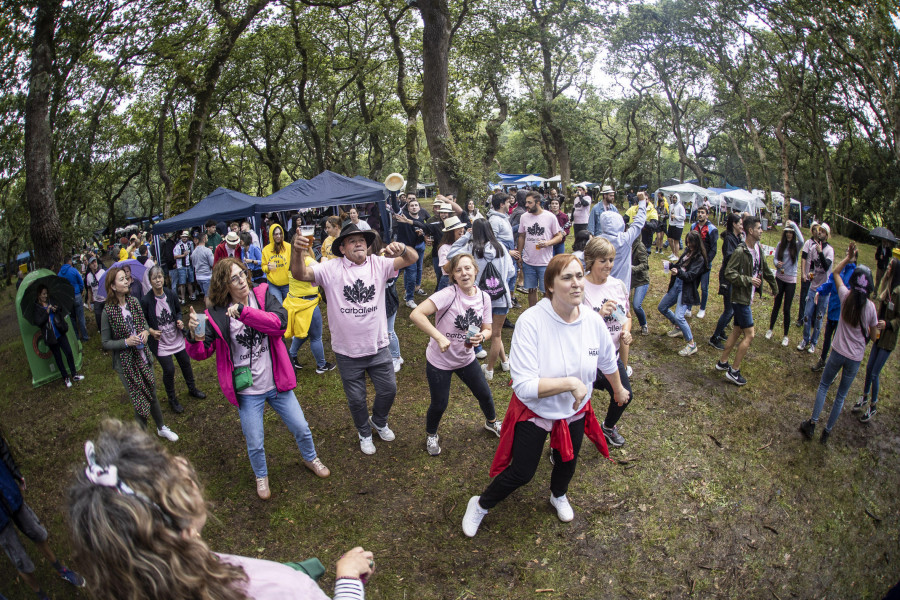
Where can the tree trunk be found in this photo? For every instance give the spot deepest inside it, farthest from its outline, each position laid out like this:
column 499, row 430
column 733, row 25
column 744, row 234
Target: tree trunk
column 740, row 156
column 785, row 167
column 45, row 228
column 435, row 75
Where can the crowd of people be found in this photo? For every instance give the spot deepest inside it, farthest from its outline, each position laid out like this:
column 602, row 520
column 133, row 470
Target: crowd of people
column 261, row 296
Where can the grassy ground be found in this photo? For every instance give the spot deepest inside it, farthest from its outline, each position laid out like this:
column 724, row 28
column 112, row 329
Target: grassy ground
column 714, row 495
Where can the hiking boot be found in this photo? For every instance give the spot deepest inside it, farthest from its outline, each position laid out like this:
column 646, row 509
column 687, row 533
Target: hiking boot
column 165, row 432
column 411, row 303
column 262, row 488
column 820, row 364
column 316, row 466
column 785, row 342
column 563, row 508
column 674, row 333
column 807, row 428
column 735, row 377
column 645, row 330
column 366, row 445
column 432, row 445
column 802, row 345
column 722, row 366
column 701, row 313
column 823, row 439
column 873, row 408
column 472, row 519
column 384, row 433
column 716, row 343
column 493, row 427
column 195, row 393
column 860, row 404
column 176, row 405
column 612, row 435
column 488, row 373
column 70, row 576
column 326, row 367
column 481, row 354
column 768, row 334
column 688, row 350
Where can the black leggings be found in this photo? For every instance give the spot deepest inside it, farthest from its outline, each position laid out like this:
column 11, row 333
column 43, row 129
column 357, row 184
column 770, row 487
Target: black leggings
column 785, row 290
column 168, row 369
column 614, row 412
column 830, row 328
column 439, row 385
column 58, row 350
column 528, row 445
column 804, row 290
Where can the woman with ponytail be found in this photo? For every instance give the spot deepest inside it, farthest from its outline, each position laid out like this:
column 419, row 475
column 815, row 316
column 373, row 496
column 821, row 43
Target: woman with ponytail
column 858, row 324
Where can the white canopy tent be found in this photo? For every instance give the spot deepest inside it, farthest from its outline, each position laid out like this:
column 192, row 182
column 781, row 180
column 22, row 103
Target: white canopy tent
column 529, row 179
column 688, row 192
column 743, row 201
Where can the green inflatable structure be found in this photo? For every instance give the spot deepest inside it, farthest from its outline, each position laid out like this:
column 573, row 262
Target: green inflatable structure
column 40, row 358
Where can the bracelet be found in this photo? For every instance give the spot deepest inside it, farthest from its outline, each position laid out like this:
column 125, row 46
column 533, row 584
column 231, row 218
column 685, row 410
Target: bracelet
column 405, row 247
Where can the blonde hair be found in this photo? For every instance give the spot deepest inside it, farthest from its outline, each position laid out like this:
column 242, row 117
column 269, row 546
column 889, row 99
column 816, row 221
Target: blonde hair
column 598, row 247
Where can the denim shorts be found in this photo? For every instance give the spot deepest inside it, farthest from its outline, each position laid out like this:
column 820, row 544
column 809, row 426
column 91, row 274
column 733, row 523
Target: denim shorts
column 743, row 316
column 534, row 276
column 182, row 275
column 499, row 310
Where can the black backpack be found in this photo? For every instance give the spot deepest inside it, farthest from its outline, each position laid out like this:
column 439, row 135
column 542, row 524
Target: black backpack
column 491, row 282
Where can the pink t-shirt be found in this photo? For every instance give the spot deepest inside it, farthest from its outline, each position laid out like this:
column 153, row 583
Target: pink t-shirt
column 538, row 228
column 455, row 312
column 595, row 296
column 274, row 581
column 247, row 343
column 171, row 341
column 849, row 341
column 356, row 307
column 443, row 251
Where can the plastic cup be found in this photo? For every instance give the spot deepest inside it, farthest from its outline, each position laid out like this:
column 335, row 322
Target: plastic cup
column 200, row 329
column 666, row 266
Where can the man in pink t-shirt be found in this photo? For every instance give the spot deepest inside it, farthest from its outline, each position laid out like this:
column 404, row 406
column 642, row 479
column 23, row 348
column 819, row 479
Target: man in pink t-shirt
column 354, row 284
column 539, row 231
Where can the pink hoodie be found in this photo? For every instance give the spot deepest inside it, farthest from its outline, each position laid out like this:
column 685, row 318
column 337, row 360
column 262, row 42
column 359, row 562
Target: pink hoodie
column 270, row 321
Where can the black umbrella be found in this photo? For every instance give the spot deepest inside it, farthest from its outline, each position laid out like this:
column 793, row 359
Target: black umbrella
column 882, row 233
column 61, row 292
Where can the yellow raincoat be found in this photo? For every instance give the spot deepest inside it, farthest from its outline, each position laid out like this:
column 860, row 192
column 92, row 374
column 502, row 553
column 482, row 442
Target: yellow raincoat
column 282, row 260
column 300, row 304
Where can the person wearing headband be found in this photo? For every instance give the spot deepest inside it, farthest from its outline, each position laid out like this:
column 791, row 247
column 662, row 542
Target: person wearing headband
column 137, row 515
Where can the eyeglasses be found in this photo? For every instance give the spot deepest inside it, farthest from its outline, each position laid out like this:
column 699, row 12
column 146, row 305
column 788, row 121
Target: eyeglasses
column 237, row 279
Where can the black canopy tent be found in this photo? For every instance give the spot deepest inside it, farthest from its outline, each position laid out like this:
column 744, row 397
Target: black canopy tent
column 222, row 205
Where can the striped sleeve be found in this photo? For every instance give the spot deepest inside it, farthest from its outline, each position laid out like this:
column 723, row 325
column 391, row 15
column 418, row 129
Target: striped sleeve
column 349, row 589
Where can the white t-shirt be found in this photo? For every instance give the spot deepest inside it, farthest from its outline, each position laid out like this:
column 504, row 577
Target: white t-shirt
column 538, row 228
column 595, row 296
column 247, row 343
column 455, row 312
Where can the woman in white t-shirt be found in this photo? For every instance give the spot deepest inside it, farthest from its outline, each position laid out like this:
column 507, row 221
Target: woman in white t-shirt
column 354, row 218
column 462, row 321
column 608, row 297
column 453, row 230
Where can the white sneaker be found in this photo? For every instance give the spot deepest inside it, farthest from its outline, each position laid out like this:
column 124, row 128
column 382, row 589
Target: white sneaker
column 673, row 258
column 563, row 508
column 481, row 355
column 785, row 342
column 68, row 382
column 472, row 518
column 411, row 303
column 768, row 334
column 629, row 371
column 165, row 432
column 505, row 366
column 811, row 349
column 801, row 346
column 398, row 362
column 674, row 333
column 688, row 315
column 77, row 377
column 431, row 444
column 701, row 314
column 493, row 427
column 366, row 445
column 488, row 373
column 384, row 433
column 688, row 350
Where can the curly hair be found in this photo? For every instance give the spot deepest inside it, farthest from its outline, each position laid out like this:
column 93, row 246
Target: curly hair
column 219, row 293
column 142, row 546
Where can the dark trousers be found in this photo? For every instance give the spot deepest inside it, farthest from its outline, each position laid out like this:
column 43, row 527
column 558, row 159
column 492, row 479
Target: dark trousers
column 830, row 328
column 786, row 292
column 439, row 385
column 168, row 369
column 528, row 446
column 58, row 350
column 727, row 314
column 614, row 412
column 804, row 290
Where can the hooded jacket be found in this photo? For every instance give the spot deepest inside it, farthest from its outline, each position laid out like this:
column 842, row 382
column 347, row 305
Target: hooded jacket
column 690, row 271
column 640, row 266
column 613, row 227
column 282, row 259
column 739, row 272
column 891, row 317
column 730, row 242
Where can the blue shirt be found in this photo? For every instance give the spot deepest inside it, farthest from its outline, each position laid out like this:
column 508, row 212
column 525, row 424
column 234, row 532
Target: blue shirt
column 10, row 496
column 594, row 218
column 72, row 276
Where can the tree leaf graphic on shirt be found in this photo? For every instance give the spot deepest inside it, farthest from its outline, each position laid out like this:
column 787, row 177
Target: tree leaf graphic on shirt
column 535, row 230
column 165, row 317
column 470, row 317
column 358, row 293
column 248, row 338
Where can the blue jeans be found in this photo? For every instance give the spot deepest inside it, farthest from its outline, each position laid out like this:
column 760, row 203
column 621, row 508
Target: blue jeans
column 836, row 362
column 279, row 291
column 704, row 290
column 393, row 340
column 412, row 275
column 559, row 248
column 672, row 298
column 877, row 358
column 314, row 335
column 727, row 313
column 80, row 325
column 813, row 316
column 444, row 282
column 637, row 303
column 287, row 407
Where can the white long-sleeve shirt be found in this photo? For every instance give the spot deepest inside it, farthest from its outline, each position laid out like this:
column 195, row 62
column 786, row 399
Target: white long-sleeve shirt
column 545, row 346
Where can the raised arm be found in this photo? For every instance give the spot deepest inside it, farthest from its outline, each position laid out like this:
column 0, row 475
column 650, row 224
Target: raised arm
column 299, row 270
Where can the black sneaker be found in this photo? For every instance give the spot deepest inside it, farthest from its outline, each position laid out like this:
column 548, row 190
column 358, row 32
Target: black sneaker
column 612, row 435
column 71, row 576
column 508, row 324
column 195, row 393
column 873, row 408
column 176, row 405
column 807, row 428
column 722, row 366
column 860, row 404
column 824, row 438
column 515, row 302
column 735, row 377
column 716, row 343
column 296, row 363
column 324, row 369
column 818, row 366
